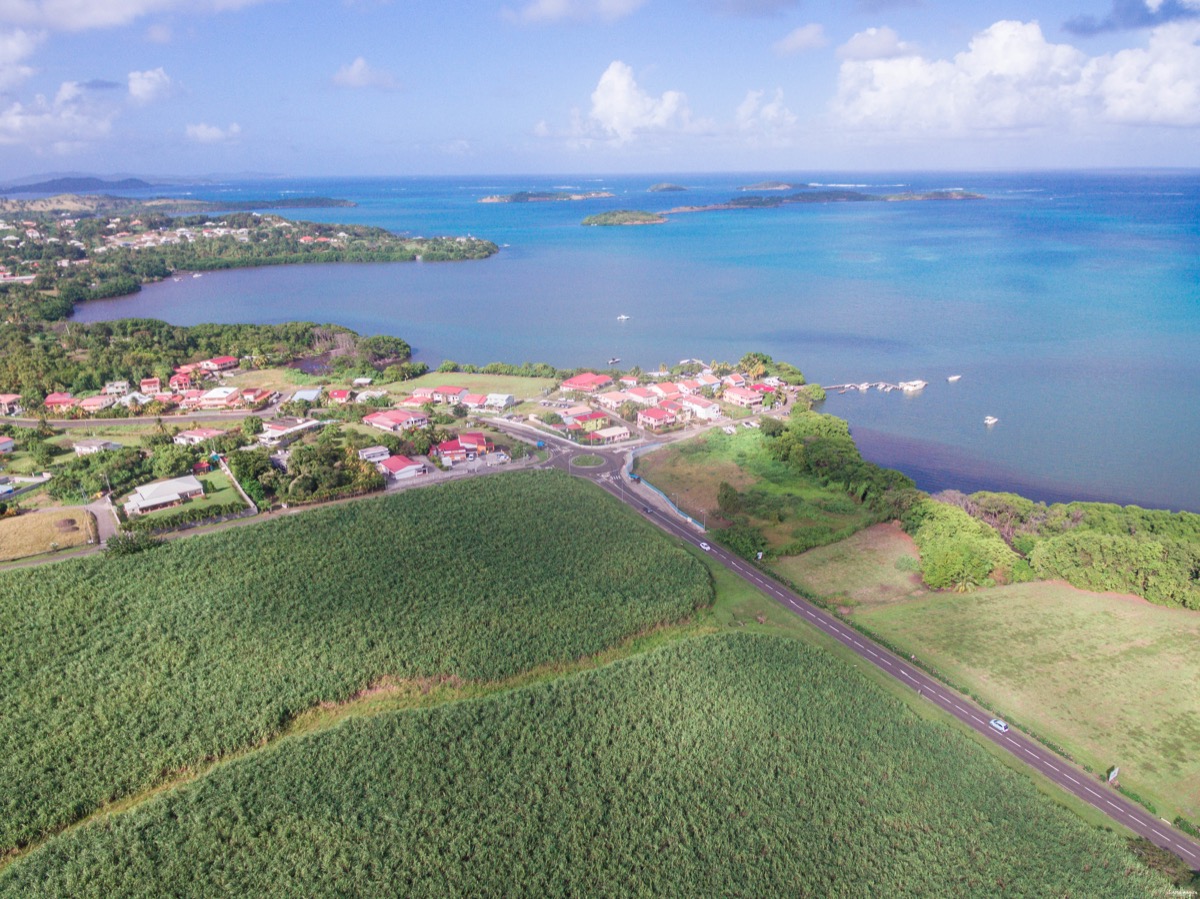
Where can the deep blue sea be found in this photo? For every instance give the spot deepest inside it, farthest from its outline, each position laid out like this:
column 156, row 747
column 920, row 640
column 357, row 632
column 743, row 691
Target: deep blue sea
column 1068, row 302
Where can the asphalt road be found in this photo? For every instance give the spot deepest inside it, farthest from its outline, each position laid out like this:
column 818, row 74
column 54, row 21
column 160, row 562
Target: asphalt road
column 1066, row 775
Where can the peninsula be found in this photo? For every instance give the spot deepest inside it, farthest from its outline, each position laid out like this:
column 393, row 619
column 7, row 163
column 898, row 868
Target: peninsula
column 94, row 204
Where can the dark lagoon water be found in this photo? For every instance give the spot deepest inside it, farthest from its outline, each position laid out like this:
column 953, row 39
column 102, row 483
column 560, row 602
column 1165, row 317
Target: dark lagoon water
column 1069, row 303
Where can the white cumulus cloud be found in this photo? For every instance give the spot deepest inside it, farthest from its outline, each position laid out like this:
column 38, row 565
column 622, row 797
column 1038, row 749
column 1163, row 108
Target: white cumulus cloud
column 212, row 134
column 15, row 47
column 359, row 74
column 60, row 125
column 1011, row 77
column 582, row 10
column 146, row 87
column 1156, row 84
column 806, row 37
column 769, row 122
column 875, row 43
column 622, row 110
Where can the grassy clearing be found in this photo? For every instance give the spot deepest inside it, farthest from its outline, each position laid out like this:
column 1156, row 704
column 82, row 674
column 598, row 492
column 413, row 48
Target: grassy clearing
column 876, row 566
column 1111, row 679
column 782, row 503
column 119, row 673
column 521, row 388
column 46, row 531
column 723, row 765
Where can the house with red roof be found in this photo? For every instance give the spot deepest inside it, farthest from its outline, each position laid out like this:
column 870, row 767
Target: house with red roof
column 613, row 400
column 451, row 452
column 399, row 468
column 59, row 402
column 588, row 382
column 341, row 397
column 254, row 397
column 736, row 379
column 474, row 400
column 150, row 386
column 655, row 419
column 219, row 363
column 414, row 401
column 762, row 388
column 395, row 420
column 592, row 421
column 643, row 396
column 743, row 396
column 196, row 436
column 449, row 395
column 98, row 403
column 180, row 381
column 10, row 403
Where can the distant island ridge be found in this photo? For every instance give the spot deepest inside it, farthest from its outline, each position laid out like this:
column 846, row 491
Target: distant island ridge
column 93, row 204
column 546, row 196
column 665, row 186
column 76, row 185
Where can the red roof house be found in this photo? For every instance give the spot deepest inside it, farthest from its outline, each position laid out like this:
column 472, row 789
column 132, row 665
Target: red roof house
column 60, row 401
column 588, row 382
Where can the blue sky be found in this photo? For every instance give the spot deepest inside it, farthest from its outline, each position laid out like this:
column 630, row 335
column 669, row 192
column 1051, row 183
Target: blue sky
column 394, row 87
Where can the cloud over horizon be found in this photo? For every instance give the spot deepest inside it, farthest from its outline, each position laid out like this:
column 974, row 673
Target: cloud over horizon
column 1010, row 78
column 203, row 133
column 146, row 87
column 83, row 15
column 806, row 37
column 622, row 110
column 578, row 10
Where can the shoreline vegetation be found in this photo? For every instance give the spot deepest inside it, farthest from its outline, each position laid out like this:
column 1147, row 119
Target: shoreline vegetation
column 70, row 252
column 625, row 217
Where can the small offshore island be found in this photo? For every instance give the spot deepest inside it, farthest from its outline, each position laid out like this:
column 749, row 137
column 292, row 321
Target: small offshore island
column 755, row 201
column 665, row 187
column 625, row 217
column 545, row 196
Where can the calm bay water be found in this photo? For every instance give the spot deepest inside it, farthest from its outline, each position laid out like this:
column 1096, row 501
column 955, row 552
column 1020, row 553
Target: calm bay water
column 1069, row 303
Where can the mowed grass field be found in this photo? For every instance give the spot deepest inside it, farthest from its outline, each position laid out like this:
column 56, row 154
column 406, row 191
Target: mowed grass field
column 41, row 532
column 521, row 388
column 865, row 569
column 691, row 472
column 1112, row 679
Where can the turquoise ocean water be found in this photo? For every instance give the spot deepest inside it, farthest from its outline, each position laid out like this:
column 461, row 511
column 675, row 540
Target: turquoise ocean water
column 1069, row 304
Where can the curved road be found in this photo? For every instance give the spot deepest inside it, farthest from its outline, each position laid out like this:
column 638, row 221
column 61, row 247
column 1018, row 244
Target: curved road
column 1056, row 769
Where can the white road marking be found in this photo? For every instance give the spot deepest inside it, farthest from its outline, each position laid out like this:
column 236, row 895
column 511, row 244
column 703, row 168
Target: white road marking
column 1093, row 792
column 1011, row 740
column 961, row 709
column 856, row 643
column 909, row 676
column 1051, row 767
column 1071, row 779
column 1161, row 836
column 873, row 652
column 1113, row 804
column 887, row 662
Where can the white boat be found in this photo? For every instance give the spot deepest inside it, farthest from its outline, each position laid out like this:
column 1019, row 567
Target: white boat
column 990, row 420
column 614, row 360
column 622, row 318
column 912, row 386
column 196, row 275
column 953, row 378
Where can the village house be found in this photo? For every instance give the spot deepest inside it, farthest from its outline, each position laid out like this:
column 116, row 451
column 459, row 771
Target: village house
column 613, row 400
column 310, row 395
column 374, row 453
column 395, row 420
column 219, row 363
column 150, row 385
column 341, row 397
column 7, row 445
column 191, row 399
column 467, row 446
column 592, row 421
column 180, row 381
column 450, row 395
column 743, row 396
column 10, row 404
column 93, row 445
column 59, row 402
column 588, row 382
column 736, row 379
column 221, row 398
column 474, row 400
column 501, row 400
column 98, row 403
column 399, row 468
column 701, row 407
column 116, row 388
column 643, row 396
column 424, row 394
column 362, row 382
column 282, row 431
column 629, row 381
column 655, row 419
column 161, row 494
column 196, row 436
column 415, row 402
column 137, row 398
column 257, row 397
column 609, row 435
